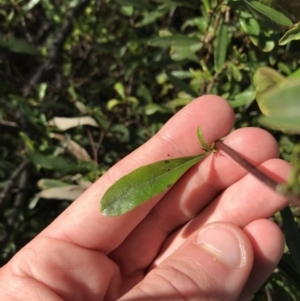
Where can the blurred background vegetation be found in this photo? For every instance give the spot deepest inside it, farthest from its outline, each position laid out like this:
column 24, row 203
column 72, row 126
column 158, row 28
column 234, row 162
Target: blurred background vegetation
column 83, row 83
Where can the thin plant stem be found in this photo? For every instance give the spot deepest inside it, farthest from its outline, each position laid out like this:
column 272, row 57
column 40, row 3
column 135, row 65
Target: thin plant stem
column 248, row 166
column 261, row 176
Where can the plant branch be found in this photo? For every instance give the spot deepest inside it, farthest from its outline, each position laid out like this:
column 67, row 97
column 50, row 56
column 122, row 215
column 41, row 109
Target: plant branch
column 55, row 51
column 248, row 166
column 261, row 176
column 18, row 203
column 11, row 181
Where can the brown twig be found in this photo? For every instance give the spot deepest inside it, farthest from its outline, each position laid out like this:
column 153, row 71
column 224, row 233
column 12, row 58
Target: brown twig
column 247, row 165
column 44, row 71
column 55, row 51
column 204, row 38
column 261, row 176
column 17, row 206
column 11, row 181
column 94, row 149
column 213, row 80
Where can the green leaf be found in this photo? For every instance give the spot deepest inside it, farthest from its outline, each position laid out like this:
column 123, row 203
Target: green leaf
column 258, row 36
column 291, row 35
column 112, row 103
column 234, row 71
column 270, row 13
column 28, row 142
column 181, row 85
column 292, row 235
column 278, row 99
column 135, row 3
column 120, row 89
column 244, row 98
column 289, row 270
column 127, row 10
column 144, row 183
column 151, row 17
column 289, row 125
column 187, row 3
column 180, row 53
column 30, row 4
column 266, row 78
column 295, row 74
column 174, row 40
column 190, row 4
column 152, row 108
column 292, row 186
column 221, row 47
column 207, row 5
column 17, row 45
column 201, row 140
column 281, row 100
column 53, row 163
column 178, row 102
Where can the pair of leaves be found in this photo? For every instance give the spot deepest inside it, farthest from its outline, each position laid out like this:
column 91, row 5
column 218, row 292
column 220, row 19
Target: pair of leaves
column 148, row 181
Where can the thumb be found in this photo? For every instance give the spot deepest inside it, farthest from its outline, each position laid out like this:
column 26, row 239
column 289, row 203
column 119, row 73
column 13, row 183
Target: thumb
column 214, row 263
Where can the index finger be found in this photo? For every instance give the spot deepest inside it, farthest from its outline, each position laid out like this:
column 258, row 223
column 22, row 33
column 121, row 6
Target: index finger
column 83, row 224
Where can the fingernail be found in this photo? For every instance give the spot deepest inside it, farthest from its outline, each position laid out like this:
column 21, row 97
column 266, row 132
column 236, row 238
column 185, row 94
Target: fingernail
column 221, row 243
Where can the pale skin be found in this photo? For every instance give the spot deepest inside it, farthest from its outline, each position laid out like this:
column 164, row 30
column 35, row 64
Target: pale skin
column 207, row 238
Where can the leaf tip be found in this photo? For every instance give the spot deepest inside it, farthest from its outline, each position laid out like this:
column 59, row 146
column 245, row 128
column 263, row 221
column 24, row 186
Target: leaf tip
column 201, row 140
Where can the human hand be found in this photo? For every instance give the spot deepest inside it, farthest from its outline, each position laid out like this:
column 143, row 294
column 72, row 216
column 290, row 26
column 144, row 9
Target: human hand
column 206, row 238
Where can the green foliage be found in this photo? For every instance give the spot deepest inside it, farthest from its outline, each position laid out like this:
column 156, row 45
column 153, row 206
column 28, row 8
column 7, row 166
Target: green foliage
column 124, row 69
column 278, row 100
column 292, row 34
column 269, row 13
column 144, row 183
column 148, row 181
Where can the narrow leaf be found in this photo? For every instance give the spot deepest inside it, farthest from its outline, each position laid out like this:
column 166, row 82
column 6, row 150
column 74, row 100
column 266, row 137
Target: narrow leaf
column 180, row 53
column 291, row 35
column 135, row 3
column 289, row 125
column 288, row 269
column 174, row 40
column 144, row 183
column 151, row 17
column 244, row 98
column 292, row 235
column 181, row 85
column 201, row 140
column 270, row 13
column 221, row 47
column 293, row 183
column 17, row 45
column 52, row 163
column 190, row 3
